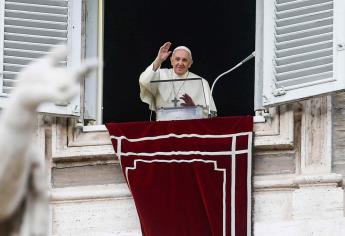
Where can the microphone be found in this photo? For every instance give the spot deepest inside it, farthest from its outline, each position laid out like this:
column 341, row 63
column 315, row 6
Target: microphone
column 224, row 73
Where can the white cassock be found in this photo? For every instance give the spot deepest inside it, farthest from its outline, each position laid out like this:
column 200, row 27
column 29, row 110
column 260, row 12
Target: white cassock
column 161, row 95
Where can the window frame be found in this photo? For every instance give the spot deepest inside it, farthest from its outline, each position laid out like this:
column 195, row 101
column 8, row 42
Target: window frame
column 89, row 141
column 73, row 59
column 265, row 84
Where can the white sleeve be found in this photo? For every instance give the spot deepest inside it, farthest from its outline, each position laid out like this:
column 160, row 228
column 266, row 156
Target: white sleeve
column 147, row 91
column 209, row 99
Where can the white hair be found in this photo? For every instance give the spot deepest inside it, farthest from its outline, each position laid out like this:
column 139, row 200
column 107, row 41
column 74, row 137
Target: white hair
column 183, row 48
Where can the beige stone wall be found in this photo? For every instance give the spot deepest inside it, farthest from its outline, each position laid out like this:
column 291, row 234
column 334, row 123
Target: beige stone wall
column 89, row 195
column 296, row 189
column 338, row 163
column 303, row 196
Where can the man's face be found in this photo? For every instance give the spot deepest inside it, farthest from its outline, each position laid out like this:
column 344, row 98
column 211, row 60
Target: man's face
column 181, row 62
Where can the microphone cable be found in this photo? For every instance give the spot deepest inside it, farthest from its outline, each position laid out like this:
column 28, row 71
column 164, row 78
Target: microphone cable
column 224, row 73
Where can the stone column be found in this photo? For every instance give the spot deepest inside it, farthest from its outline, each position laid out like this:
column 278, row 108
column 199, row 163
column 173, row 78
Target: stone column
column 316, row 136
column 318, row 194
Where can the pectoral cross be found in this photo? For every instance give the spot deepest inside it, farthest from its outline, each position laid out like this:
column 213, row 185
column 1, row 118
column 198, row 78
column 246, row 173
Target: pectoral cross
column 175, row 101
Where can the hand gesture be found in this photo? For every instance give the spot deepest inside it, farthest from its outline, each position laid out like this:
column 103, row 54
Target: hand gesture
column 163, row 54
column 188, row 101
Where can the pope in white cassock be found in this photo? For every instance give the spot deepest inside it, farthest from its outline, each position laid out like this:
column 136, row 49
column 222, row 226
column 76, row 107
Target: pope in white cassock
column 183, row 92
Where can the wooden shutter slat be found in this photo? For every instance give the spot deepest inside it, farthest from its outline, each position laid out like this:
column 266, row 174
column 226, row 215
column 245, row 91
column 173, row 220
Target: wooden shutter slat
column 291, row 5
column 304, row 49
column 308, row 80
column 10, row 82
column 36, row 31
column 23, row 53
column 13, row 67
column 304, row 19
column 34, row 39
column 62, row 3
column 305, row 64
column 304, row 72
column 291, row 44
column 305, row 10
column 304, row 26
column 304, row 57
column 304, row 33
column 36, row 15
column 17, row 60
column 36, row 23
column 36, row 8
column 27, row 46
column 10, row 75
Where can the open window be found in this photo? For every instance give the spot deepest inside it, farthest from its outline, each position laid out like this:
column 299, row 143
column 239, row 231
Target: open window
column 92, row 140
column 302, row 50
column 28, row 30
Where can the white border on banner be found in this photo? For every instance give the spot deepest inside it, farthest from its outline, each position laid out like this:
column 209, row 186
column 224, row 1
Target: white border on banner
column 231, row 153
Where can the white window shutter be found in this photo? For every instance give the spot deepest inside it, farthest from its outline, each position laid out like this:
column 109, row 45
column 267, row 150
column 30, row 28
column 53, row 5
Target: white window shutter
column 303, row 49
column 29, row 29
column 91, row 51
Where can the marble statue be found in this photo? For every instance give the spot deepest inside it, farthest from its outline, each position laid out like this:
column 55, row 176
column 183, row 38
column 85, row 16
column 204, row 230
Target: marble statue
column 23, row 184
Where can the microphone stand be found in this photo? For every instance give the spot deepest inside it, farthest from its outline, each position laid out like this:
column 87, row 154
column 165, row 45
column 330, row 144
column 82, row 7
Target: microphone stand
column 226, row 72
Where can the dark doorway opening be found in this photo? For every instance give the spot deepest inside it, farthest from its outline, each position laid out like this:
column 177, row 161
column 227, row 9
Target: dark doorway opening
column 219, row 33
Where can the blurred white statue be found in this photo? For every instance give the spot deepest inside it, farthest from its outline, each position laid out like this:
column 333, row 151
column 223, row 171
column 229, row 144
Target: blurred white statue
column 23, row 184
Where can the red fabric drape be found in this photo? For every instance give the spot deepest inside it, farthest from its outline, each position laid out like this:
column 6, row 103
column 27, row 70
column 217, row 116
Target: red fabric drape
column 189, row 177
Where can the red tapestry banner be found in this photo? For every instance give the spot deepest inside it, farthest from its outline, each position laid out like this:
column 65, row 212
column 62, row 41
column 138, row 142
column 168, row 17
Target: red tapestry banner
column 188, row 177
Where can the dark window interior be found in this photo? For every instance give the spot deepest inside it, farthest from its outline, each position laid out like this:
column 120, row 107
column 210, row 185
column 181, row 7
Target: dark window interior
column 219, row 33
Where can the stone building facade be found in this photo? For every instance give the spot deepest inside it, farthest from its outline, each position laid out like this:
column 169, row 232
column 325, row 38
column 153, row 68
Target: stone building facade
column 298, row 165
